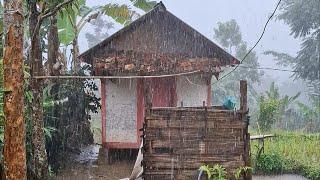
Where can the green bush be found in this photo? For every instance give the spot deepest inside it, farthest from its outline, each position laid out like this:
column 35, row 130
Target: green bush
column 292, row 153
column 311, row 172
column 268, row 164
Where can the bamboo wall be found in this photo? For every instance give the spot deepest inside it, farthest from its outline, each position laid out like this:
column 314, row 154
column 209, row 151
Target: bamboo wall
column 177, row 141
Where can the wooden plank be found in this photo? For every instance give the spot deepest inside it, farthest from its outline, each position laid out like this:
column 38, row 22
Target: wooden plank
column 103, row 111
column 215, row 135
column 189, row 165
column 202, row 157
column 193, row 117
column 257, row 137
column 243, row 96
column 200, row 124
column 194, row 143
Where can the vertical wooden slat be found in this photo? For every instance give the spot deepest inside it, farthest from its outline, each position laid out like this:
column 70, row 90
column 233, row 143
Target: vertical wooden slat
column 147, row 95
column 244, row 111
column 103, row 111
column 140, row 107
column 209, row 91
column 243, row 96
column 174, row 96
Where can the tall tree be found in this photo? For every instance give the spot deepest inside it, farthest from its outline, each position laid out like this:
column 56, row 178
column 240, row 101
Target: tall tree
column 39, row 156
column 229, row 36
column 14, row 136
column 303, row 18
column 38, row 12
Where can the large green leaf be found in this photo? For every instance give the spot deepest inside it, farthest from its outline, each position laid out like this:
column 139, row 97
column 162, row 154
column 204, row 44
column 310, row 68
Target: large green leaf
column 145, row 5
column 66, row 30
column 120, row 13
column 67, row 21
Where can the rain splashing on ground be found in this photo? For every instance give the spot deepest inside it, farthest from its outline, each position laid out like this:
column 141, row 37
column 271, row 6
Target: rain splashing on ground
column 92, row 164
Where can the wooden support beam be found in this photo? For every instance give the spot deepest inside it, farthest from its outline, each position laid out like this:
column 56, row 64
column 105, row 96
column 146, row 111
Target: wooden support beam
column 140, row 108
column 244, row 112
column 209, row 91
column 103, row 111
column 147, row 95
column 243, row 96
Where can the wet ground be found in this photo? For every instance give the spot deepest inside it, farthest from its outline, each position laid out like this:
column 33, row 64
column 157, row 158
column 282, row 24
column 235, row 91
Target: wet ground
column 92, row 164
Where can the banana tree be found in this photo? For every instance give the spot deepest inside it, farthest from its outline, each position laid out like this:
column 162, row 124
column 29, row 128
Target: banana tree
column 72, row 20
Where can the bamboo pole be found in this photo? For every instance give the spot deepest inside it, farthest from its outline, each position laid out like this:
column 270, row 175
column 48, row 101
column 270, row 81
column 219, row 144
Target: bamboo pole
column 114, row 77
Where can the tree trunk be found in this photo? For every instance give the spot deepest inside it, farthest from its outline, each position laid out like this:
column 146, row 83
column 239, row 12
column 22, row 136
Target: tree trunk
column 54, row 70
column 14, row 136
column 39, row 159
column 75, row 51
column 53, row 47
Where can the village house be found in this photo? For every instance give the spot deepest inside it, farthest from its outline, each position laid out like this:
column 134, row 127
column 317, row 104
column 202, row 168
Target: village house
column 157, row 60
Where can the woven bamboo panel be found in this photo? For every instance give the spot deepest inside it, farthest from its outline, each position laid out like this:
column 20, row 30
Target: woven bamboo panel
column 177, row 141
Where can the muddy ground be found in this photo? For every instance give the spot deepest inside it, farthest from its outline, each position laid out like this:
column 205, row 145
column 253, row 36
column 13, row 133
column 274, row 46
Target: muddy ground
column 92, row 164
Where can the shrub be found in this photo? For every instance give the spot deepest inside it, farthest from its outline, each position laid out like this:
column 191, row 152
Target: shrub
column 289, row 152
column 268, row 164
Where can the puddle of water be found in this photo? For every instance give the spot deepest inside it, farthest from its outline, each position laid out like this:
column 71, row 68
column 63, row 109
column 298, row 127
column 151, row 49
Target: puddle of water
column 279, row 177
column 92, row 164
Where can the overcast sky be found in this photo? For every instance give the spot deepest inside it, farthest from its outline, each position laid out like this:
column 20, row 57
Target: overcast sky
column 251, row 15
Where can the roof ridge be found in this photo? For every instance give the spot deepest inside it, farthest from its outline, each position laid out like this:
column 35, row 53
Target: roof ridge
column 160, row 6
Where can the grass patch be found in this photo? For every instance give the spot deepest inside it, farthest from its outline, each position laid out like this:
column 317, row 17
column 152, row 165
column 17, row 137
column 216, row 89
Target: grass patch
column 295, row 153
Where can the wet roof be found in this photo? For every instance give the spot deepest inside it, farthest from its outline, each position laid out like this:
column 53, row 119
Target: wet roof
column 159, row 33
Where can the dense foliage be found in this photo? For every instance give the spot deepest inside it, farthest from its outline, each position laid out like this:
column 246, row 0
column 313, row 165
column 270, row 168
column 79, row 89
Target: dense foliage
column 294, row 153
column 285, row 112
column 303, row 17
column 274, row 108
column 66, row 104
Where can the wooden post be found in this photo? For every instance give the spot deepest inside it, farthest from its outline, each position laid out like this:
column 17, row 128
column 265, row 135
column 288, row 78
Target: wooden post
column 103, row 111
column 243, row 96
column 147, row 93
column 209, row 91
column 140, row 108
column 244, row 112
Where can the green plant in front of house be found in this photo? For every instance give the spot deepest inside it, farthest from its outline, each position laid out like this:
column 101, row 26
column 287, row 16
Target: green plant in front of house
column 219, row 172
column 206, row 169
column 242, row 172
column 216, row 172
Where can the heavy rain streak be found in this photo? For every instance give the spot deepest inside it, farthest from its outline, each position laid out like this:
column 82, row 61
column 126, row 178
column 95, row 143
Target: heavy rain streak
column 157, row 90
